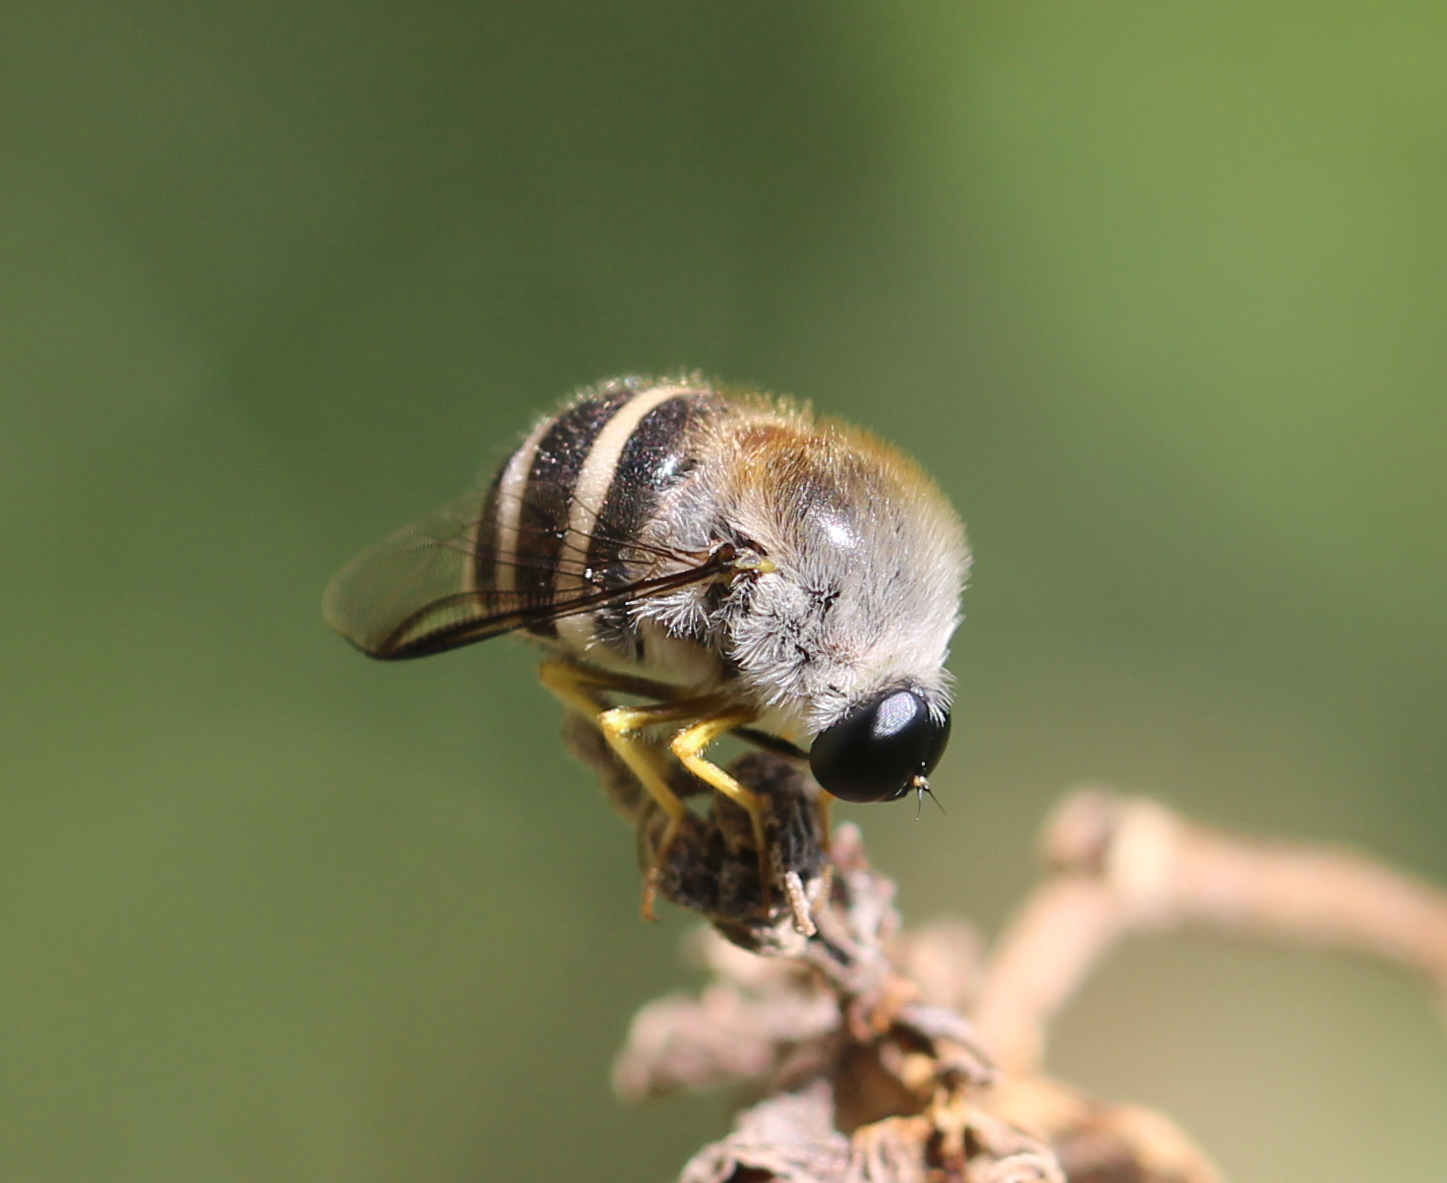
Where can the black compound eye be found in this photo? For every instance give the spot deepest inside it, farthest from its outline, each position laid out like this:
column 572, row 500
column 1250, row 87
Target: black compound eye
column 877, row 750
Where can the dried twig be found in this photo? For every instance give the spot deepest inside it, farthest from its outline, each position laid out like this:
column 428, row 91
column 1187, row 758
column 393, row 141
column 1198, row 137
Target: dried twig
column 853, row 1032
column 865, row 1080
column 1125, row 866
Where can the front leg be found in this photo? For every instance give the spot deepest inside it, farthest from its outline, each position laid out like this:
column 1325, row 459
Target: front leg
column 583, row 690
column 690, row 743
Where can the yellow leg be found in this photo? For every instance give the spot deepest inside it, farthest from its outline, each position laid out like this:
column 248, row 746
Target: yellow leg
column 580, row 689
column 556, row 675
column 689, row 744
column 823, row 804
column 573, row 687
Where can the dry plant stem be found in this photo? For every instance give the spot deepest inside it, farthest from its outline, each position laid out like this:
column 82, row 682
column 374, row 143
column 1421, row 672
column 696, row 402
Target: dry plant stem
column 864, row 1078
column 868, row 1072
column 1048, row 951
column 849, row 1030
column 1127, row 866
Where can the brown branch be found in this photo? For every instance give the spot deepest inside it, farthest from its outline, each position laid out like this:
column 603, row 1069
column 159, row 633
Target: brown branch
column 852, row 1031
column 1126, row 866
column 865, row 1077
column 849, row 1029
column 1048, row 951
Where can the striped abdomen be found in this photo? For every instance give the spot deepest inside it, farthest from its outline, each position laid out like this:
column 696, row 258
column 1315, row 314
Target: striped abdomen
column 567, row 510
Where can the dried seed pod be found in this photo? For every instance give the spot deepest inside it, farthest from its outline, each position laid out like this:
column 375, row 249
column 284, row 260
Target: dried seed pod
column 712, row 865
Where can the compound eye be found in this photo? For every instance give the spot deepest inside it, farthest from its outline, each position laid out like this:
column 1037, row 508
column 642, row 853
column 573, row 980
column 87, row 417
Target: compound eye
column 877, row 750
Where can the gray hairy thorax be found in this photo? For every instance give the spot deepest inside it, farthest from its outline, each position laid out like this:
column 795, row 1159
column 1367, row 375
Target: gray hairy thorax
column 863, row 597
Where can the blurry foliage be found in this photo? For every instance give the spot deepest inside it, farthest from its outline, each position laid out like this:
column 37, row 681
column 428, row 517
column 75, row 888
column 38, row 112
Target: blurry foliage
column 1156, row 291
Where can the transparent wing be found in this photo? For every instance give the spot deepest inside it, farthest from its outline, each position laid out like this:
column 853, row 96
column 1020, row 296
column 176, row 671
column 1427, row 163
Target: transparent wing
column 441, row 583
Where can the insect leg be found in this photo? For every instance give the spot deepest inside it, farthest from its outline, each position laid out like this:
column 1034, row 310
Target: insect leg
column 773, row 743
column 792, row 751
column 574, row 687
column 582, row 676
column 646, row 763
column 822, row 805
column 580, row 689
column 689, row 744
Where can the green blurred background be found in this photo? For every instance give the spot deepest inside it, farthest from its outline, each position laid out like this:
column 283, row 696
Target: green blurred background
column 1157, row 291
